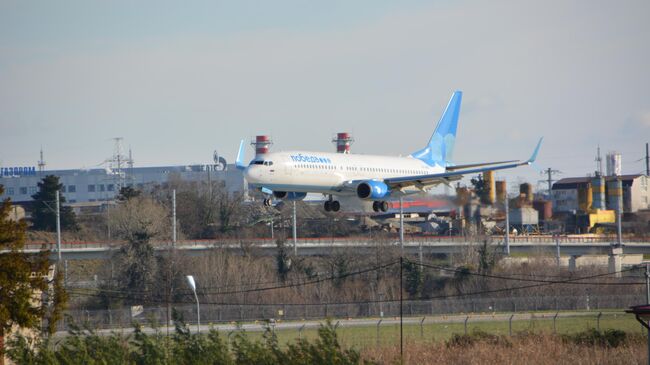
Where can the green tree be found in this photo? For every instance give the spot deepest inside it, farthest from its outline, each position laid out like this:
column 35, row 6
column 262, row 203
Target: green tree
column 44, row 208
column 282, row 259
column 22, row 278
column 480, row 187
column 413, row 278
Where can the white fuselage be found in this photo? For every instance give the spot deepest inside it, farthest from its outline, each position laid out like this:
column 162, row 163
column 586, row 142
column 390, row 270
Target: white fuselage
column 328, row 173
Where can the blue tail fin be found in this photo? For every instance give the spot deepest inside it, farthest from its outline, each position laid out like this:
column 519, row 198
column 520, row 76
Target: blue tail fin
column 440, row 148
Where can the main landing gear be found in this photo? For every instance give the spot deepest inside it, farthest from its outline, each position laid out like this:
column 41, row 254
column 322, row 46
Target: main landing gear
column 268, row 202
column 332, row 205
column 380, row 206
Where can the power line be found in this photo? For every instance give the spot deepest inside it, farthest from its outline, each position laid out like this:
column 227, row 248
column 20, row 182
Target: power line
column 283, row 286
column 393, row 300
column 527, row 286
column 460, row 271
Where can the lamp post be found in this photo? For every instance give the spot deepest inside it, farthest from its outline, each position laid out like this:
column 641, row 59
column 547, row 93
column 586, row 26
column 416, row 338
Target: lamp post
column 190, row 280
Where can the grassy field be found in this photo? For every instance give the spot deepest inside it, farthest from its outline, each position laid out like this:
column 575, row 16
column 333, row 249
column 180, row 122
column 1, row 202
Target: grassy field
column 367, row 336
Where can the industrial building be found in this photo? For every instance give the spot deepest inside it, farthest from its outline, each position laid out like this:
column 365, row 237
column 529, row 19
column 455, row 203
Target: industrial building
column 97, row 185
column 584, row 193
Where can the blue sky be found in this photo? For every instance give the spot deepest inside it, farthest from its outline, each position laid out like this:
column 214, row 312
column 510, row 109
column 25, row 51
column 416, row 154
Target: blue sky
column 179, row 81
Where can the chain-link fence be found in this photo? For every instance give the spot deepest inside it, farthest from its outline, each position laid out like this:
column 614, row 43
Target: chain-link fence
column 226, row 313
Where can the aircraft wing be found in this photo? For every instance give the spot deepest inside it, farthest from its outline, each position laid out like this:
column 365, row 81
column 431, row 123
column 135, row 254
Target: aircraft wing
column 456, row 172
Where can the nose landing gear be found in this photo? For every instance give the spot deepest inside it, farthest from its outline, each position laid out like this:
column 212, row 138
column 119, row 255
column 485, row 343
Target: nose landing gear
column 380, row 206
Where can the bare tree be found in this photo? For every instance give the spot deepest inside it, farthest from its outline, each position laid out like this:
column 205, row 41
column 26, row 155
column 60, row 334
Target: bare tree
column 138, row 221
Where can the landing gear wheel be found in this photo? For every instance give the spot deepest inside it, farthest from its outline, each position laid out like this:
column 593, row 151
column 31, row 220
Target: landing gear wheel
column 375, row 206
column 335, row 205
column 267, row 202
column 328, row 206
column 383, row 206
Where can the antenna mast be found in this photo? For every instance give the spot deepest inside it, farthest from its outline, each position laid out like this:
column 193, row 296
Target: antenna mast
column 599, row 163
column 549, row 179
column 116, row 163
column 41, row 163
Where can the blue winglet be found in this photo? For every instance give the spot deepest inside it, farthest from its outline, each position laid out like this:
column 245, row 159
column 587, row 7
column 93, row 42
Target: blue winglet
column 239, row 162
column 532, row 158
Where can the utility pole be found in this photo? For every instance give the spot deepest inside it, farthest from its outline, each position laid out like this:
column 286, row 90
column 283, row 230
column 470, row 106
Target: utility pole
column 272, row 227
column 58, row 227
column 507, row 236
column 295, row 237
column 108, row 221
column 619, row 208
column 401, row 312
column 401, row 225
column 647, row 283
column 647, row 293
column 557, row 249
column 174, row 218
column 647, row 160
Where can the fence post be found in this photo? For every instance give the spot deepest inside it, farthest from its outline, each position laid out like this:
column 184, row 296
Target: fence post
column 466, row 319
column 554, row 319
column 422, row 327
column 378, row 323
column 598, row 320
column 510, row 324
column 300, row 332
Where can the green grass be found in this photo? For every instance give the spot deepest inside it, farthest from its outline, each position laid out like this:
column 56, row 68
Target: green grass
column 360, row 337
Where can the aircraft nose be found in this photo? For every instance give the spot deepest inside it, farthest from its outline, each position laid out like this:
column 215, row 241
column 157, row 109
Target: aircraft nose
column 250, row 174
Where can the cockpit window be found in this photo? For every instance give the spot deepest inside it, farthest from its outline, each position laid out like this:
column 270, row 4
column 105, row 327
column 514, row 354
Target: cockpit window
column 258, row 162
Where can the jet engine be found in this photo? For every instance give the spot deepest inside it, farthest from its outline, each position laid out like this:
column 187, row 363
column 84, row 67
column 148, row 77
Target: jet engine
column 372, row 190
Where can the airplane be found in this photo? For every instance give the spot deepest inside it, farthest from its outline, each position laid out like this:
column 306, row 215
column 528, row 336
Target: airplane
column 291, row 175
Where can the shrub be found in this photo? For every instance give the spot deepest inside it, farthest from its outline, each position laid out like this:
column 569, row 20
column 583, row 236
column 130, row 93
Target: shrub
column 477, row 336
column 84, row 346
column 593, row 337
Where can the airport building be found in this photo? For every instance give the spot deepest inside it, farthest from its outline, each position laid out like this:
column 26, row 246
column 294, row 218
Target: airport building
column 97, row 185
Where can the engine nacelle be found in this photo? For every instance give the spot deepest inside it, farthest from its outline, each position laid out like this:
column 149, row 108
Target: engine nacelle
column 372, row 190
column 289, row 195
